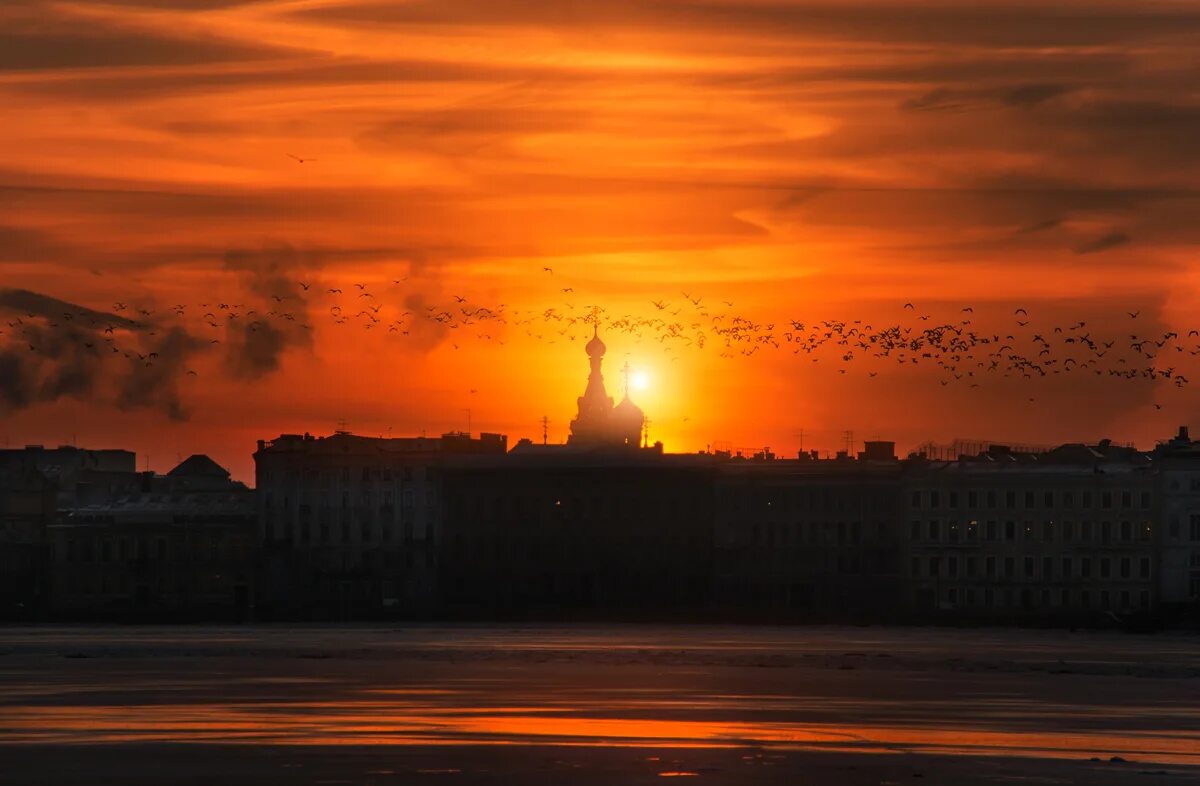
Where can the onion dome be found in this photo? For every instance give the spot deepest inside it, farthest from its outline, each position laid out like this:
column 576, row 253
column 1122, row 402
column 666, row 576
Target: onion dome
column 595, row 348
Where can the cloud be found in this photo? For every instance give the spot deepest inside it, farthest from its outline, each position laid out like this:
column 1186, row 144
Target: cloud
column 1103, row 243
column 53, row 349
column 255, row 347
column 944, row 99
column 154, row 383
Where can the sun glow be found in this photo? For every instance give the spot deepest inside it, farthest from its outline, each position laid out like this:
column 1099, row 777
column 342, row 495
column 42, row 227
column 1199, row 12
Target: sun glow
column 639, row 380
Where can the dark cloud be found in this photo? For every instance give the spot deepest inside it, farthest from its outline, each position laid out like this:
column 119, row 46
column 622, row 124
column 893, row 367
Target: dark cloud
column 52, row 349
column 42, row 36
column 274, row 274
column 1103, row 243
column 944, row 99
column 154, row 382
column 23, row 301
column 986, row 23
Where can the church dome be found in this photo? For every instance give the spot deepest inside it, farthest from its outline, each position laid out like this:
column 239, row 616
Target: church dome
column 595, row 348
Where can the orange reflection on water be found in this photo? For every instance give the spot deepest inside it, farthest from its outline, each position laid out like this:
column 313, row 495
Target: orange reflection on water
column 373, row 723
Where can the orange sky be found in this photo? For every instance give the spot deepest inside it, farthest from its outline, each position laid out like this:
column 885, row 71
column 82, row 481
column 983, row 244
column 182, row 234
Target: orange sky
column 802, row 160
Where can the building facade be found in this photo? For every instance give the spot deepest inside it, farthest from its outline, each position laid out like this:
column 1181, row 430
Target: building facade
column 809, row 538
column 348, row 525
column 1067, row 534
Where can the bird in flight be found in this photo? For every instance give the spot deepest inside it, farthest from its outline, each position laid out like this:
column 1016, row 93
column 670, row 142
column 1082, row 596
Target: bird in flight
column 300, row 160
column 549, row 270
column 1133, row 314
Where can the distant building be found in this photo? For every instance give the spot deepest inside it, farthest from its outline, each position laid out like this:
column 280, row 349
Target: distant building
column 1067, row 533
column 809, row 538
column 26, row 510
column 175, row 547
column 562, row 530
column 1178, row 470
column 348, row 525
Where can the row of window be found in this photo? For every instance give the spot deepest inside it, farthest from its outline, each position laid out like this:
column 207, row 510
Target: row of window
column 1103, row 600
column 1011, row 499
column 1064, row 568
column 1044, row 531
column 780, row 533
column 325, row 533
column 324, row 477
column 796, row 500
column 101, row 549
column 366, row 498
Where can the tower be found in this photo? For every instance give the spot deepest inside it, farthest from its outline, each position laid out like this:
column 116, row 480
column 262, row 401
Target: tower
column 598, row 421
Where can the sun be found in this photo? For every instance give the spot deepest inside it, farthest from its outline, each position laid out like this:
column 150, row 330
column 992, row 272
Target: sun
column 639, row 380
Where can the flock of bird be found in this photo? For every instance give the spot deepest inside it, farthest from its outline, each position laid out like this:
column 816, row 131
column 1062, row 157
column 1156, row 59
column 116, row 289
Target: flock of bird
column 1016, row 345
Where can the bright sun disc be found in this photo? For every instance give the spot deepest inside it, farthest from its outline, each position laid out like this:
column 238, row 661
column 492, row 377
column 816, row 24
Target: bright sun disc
column 639, row 380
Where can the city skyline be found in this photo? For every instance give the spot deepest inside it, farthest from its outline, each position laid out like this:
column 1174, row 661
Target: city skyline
column 798, row 161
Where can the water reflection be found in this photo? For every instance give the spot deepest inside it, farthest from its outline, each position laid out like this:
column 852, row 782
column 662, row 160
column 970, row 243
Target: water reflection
column 662, row 691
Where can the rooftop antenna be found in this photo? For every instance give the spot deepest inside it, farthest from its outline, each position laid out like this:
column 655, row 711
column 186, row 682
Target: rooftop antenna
column 545, row 428
column 646, row 433
column 801, row 436
column 468, row 411
column 342, row 425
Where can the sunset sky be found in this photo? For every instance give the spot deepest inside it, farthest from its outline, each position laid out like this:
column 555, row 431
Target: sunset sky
column 807, row 160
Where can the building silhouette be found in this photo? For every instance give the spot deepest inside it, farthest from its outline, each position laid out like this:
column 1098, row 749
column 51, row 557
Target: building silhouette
column 598, row 422
column 460, row 526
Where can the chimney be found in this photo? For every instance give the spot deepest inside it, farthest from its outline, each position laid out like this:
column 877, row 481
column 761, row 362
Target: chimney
column 1183, row 434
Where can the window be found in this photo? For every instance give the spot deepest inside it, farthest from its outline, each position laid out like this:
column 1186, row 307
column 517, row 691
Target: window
column 1048, row 499
column 934, row 566
column 933, row 499
column 935, row 531
column 1010, row 499
column 1125, row 567
column 1028, row 499
column 1029, row 567
column 990, row 566
column 1106, row 500
column 953, row 499
column 1010, row 530
column 1145, row 499
column 1144, row 567
column 972, row 499
column 915, row 533
column 1126, row 499
column 1126, row 531
column 915, row 502
column 1066, row 568
column 1047, row 568
column 991, row 530
column 1085, row 567
column 1105, row 568
column 916, row 566
column 991, row 499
